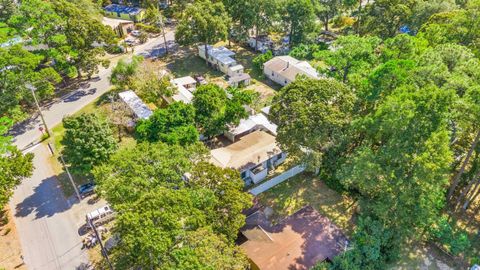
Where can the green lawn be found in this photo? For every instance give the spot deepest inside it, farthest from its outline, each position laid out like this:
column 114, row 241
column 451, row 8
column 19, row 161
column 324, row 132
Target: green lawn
column 100, row 106
column 306, row 189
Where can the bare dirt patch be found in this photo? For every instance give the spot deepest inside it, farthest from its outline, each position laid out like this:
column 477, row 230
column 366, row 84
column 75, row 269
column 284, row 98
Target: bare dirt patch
column 10, row 249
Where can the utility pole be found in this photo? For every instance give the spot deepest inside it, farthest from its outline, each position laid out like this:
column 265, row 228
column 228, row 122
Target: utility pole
column 104, row 251
column 163, row 28
column 70, row 178
column 32, row 88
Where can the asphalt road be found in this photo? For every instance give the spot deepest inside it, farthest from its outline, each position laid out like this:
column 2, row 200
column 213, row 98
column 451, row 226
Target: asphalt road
column 28, row 132
column 47, row 222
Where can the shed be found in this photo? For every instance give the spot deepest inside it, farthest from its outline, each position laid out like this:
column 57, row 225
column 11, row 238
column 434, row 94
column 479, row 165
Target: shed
column 242, row 79
column 136, row 105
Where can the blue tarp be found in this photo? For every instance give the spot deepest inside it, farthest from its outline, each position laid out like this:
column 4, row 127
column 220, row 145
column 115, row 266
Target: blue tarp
column 122, row 9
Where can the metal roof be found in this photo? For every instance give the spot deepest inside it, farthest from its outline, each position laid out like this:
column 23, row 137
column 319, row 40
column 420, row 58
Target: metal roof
column 122, row 9
column 139, row 108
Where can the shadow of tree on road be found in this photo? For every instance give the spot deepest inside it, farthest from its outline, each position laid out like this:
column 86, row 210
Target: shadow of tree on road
column 47, row 200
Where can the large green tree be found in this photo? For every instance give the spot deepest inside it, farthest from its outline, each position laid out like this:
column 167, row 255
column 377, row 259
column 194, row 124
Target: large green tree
column 88, row 141
column 173, row 125
column 312, row 117
column 174, row 210
column 299, row 20
column 203, row 22
column 405, row 155
column 14, row 165
column 214, row 109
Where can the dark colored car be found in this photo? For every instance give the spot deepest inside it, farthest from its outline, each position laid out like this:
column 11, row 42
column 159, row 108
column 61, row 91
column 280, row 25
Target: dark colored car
column 86, row 189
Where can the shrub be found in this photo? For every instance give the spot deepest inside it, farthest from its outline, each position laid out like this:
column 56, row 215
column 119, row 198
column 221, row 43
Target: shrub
column 148, row 28
column 259, row 60
column 453, row 239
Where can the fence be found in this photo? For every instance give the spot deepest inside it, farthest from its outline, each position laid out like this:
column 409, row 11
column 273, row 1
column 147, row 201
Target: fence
column 277, row 180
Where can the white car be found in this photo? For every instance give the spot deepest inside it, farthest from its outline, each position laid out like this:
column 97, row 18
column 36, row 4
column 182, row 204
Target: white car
column 136, row 33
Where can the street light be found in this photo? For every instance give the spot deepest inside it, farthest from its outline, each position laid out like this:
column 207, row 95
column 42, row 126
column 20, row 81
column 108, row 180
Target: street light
column 32, row 88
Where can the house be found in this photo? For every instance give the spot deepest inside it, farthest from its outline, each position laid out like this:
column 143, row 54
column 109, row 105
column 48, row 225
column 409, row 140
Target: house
column 185, row 87
column 239, row 80
column 252, row 123
column 221, row 59
column 284, row 69
column 139, row 109
column 298, row 242
column 120, row 27
column 253, row 155
column 124, row 12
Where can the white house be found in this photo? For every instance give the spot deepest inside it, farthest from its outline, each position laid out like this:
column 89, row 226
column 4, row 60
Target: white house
column 251, row 124
column 221, row 59
column 135, row 104
column 284, row 69
column 185, row 87
column 253, row 155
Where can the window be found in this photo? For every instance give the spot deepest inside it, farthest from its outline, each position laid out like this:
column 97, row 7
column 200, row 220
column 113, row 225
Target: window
column 243, row 174
column 273, row 74
column 279, row 156
column 285, row 81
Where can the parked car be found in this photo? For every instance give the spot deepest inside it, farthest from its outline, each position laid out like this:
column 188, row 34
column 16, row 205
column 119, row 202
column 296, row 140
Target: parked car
column 100, row 216
column 200, row 80
column 86, row 189
column 136, row 33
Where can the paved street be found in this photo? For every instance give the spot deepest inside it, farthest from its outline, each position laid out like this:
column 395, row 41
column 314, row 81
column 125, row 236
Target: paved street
column 48, row 223
column 28, row 132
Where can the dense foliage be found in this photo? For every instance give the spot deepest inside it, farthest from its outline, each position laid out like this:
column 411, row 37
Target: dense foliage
column 88, row 141
column 173, row 125
column 14, row 165
column 166, row 221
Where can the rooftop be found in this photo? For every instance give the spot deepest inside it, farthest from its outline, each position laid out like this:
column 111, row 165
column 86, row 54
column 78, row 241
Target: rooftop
column 296, row 243
column 239, row 78
column 221, row 53
column 252, row 122
column 139, row 108
column 249, row 151
column 122, row 9
column 184, row 81
column 290, row 67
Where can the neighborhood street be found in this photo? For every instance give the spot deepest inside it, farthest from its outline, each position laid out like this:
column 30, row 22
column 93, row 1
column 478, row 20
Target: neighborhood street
column 46, row 221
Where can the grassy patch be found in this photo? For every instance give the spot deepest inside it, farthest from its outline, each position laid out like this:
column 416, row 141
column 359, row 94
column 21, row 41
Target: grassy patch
column 102, row 106
column 305, row 189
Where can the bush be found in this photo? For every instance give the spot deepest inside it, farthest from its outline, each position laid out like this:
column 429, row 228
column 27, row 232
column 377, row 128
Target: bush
column 148, row 28
column 306, row 52
column 259, row 60
column 453, row 239
column 343, row 21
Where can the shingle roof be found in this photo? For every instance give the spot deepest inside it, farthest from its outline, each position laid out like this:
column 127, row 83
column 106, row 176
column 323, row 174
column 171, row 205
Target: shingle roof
column 289, row 67
column 246, row 153
column 296, row 243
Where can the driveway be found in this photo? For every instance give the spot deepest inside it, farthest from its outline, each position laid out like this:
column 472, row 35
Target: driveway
column 47, row 222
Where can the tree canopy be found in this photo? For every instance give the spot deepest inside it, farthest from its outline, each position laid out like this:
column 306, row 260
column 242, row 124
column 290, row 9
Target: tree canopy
column 88, row 141
column 14, row 165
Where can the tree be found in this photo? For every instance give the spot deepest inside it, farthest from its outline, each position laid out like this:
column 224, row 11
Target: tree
column 424, row 9
column 228, row 187
column 299, row 19
column 123, row 72
column 18, row 68
column 173, row 125
column 88, row 141
column 457, row 26
column 73, row 32
column 326, row 10
column 261, row 59
column 214, row 110
column 353, row 55
column 259, row 15
column 14, row 166
column 7, row 9
column 405, row 155
column 312, row 116
column 384, row 18
column 203, row 22
column 166, row 221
